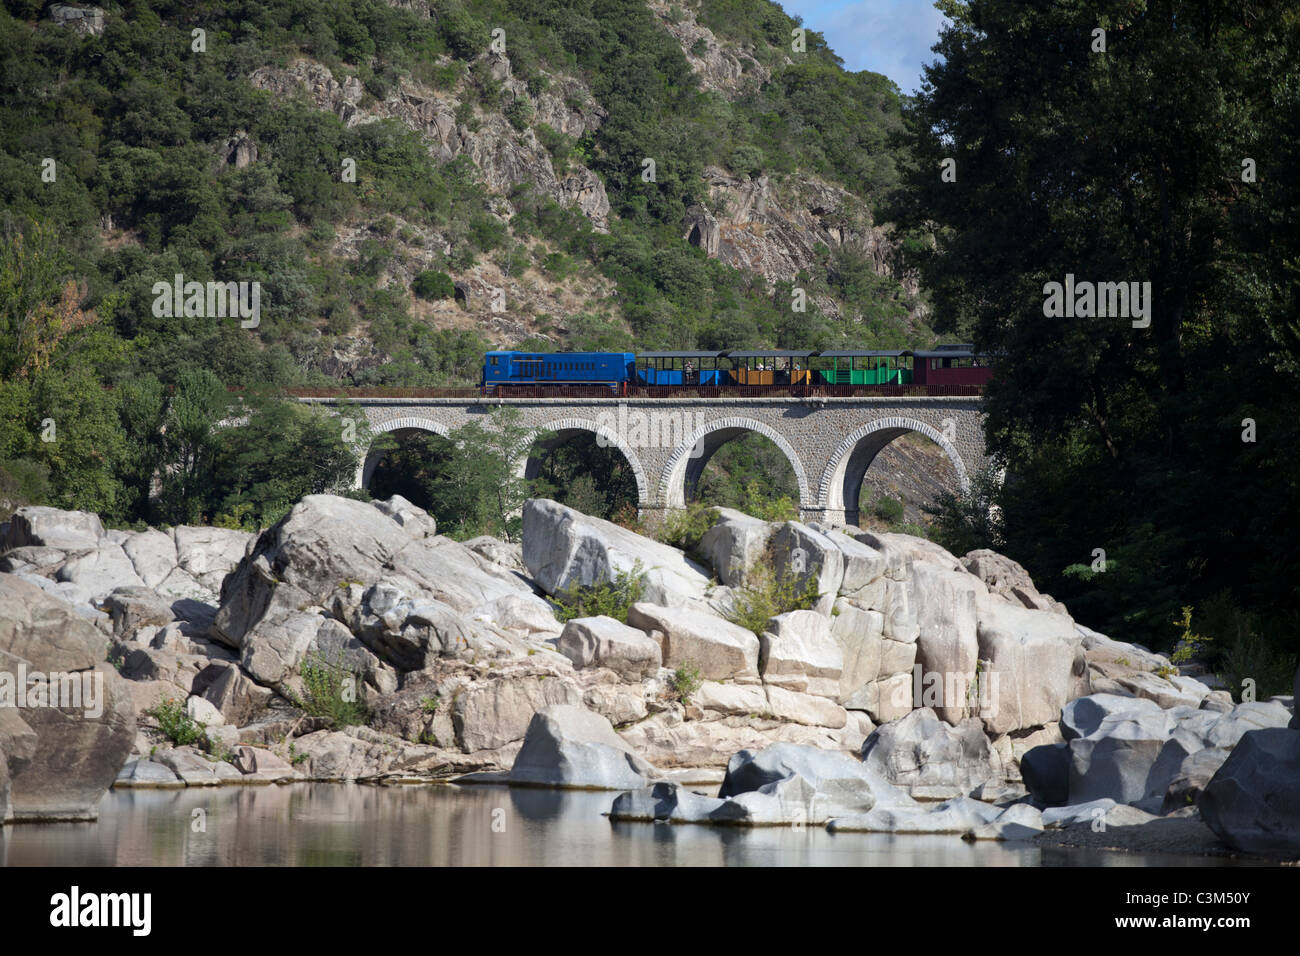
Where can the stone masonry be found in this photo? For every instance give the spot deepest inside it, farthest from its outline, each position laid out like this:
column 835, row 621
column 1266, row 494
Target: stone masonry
column 829, row 442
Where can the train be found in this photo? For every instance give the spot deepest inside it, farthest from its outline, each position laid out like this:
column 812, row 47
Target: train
column 955, row 365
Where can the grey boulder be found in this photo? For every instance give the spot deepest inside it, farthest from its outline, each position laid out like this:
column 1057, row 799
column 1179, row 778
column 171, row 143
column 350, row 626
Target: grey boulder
column 570, row 747
column 1253, row 802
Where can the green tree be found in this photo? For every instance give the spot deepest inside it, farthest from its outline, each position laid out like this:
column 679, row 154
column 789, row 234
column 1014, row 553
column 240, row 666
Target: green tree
column 1124, row 166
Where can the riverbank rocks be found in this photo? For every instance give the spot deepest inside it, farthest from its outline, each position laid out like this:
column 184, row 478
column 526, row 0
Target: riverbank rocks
column 605, row 642
column 944, row 603
column 569, row 747
column 798, row 653
column 1253, row 801
column 931, row 758
column 51, row 528
column 1007, row 579
column 74, row 751
column 720, row 649
column 805, row 557
column 1029, row 665
column 734, row 545
column 1132, row 751
column 670, row 803
column 376, row 567
column 959, row 815
column 780, row 785
column 564, row 549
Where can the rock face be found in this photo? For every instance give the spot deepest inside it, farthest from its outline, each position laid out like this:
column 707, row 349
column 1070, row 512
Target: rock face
column 406, row 594
column 721, row 650
column 947, row 642
column 797, row 652
column 564, row 549
column 734, row 545
column 572, row 748
column 1030, row 666
column 605, row 642
column 807, row 557
column 52, row 528
column 72, row 753
column 931, row 758
column 1253, row 802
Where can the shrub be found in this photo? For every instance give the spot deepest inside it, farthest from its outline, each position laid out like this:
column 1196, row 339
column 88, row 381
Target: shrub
column 768, row 594
column 433, row 285
column 175, row 723
column 610, row 598
column 519, row 112
column 331, row 690
column 684, row 529
column 687, row 680
column 888, row 509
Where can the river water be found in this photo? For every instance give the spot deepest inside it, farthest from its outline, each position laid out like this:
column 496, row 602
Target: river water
column 349, row 825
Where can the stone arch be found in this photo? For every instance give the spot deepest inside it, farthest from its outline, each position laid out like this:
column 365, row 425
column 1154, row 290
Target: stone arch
column 565, row 428
column 687, row 462
column 371, row 459
column 842, row 481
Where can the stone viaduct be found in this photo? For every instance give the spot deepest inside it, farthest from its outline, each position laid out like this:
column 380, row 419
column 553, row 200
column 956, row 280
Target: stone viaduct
column 829, row 442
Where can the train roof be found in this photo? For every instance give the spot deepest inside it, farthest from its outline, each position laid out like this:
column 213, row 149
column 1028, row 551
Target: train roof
column 949, row 352
column 854, row 353
column 687, row 354
column 767, row 353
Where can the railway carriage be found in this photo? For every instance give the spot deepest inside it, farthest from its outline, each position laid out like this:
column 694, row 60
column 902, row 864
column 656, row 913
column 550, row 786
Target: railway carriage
column 619, row 372
column 950, row 365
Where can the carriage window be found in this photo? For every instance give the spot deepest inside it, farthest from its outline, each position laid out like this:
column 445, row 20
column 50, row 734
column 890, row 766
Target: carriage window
column 494, row 360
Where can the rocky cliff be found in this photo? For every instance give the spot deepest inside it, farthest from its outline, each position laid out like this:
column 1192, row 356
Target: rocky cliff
column 920, row 692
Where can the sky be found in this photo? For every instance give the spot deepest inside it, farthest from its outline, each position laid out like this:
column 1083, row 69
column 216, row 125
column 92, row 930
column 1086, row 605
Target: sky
column 892, row 37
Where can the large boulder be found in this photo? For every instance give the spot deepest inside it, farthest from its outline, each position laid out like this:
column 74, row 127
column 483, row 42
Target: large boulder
column 1006, row 578
column 498, row 712
column 797, row 652
column 131, row 608
column 51, row 528
column 152, row 554
column 90, row 577
column 669, row 803
column 944, row 603
column 79, row 747
column 1131, row 758
column 721, row 650
column 1083, row 716
column 564, row 549
column 1194, row 774
column 1045, row 770
column 335, row 552
column 605, row 642
column 734, row 545
column 930, row 757
column 787, row 783
column 877, row 671
column 572, row 748
column 864, row 569
column 1253, row 802
column 1029, row 664
column 805, row 557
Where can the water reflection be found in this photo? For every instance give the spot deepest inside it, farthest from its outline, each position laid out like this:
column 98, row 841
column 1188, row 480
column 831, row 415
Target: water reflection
column 350, row 825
